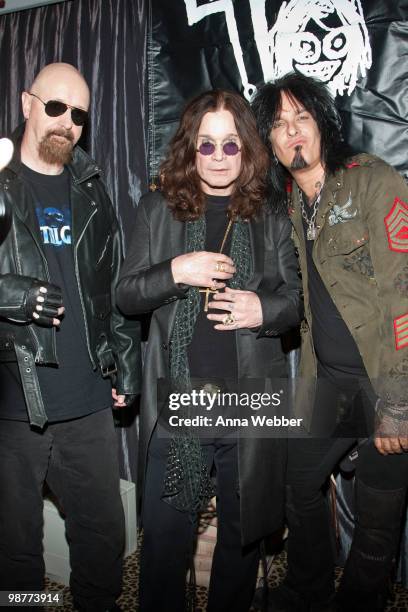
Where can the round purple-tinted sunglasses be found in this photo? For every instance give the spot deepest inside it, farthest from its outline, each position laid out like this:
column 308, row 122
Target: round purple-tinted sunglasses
column 229, row 148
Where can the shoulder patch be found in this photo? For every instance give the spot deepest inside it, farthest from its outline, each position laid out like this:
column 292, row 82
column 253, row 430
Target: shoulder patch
column 352, row 164
column 396, row 226
column 401, row 331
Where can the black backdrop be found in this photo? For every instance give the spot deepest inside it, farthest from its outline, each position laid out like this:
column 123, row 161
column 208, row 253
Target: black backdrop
column 360, row 47
column 106, row 40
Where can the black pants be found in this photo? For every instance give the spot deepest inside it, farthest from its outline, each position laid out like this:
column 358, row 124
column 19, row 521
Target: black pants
column 79, row 461
column 310, row 463
column 168, row 538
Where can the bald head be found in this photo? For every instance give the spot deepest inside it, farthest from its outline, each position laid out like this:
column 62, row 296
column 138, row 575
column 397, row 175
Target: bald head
column 49, row 139
column 59, row 75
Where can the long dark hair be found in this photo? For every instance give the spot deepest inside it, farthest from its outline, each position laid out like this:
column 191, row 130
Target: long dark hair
column 315, row 97
column 180, row 182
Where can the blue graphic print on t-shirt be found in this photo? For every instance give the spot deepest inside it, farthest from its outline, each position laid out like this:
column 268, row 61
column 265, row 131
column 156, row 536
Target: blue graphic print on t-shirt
column 55, row 225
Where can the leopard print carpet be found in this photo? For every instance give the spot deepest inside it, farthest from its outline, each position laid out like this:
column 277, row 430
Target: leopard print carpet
column 129, row 598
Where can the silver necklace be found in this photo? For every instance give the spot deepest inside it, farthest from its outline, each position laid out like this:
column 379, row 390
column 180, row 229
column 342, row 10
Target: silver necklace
column 311, row 230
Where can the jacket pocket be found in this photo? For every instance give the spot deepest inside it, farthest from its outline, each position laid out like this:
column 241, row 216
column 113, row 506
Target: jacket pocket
column 345, row 245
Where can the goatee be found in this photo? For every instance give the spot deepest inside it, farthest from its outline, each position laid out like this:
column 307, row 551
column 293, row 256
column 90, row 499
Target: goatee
column 58, row 150
column 298, row 162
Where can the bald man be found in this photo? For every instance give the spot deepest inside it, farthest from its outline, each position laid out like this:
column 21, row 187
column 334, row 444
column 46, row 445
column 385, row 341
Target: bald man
column 66, row 353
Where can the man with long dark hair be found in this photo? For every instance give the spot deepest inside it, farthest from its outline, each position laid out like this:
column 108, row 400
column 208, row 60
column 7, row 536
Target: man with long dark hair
column 349, row 215
column 219, row 275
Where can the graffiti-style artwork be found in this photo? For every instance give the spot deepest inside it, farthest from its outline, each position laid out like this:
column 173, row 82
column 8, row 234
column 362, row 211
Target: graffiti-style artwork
column 321, row 38
column 197, row 10
column 327, row 39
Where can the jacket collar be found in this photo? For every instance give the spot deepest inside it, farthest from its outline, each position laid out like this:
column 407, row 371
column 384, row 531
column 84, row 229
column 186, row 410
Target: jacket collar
column 82, row 167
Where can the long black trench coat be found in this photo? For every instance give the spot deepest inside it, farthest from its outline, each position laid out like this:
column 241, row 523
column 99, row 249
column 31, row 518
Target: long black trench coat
column 146, row 285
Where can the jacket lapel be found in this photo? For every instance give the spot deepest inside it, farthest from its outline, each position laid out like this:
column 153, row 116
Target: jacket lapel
column 23, row 207
column 82, row 209
column 257, row 239
column 296, row 216
column 178, row 237
column 178, row 243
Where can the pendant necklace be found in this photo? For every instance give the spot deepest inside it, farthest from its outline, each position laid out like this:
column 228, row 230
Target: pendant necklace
column 311, row 230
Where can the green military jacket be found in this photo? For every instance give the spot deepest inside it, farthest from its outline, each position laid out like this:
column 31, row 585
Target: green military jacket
column 361, row 254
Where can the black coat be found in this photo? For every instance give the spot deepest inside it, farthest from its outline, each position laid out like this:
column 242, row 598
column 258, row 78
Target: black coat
column 146, row 285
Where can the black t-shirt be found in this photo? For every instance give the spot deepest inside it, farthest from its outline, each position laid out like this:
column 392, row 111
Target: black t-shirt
column 335, row 347
column 212, row 353
column 72, row 389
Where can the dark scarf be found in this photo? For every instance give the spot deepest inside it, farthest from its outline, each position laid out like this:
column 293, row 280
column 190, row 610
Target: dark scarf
column 187, row 483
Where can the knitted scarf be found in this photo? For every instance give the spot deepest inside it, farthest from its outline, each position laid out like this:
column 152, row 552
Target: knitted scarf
column 187, row 483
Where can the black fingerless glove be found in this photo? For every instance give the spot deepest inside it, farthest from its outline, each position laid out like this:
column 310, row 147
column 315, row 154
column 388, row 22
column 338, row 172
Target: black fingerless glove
column 48, row 311
column 130, row 398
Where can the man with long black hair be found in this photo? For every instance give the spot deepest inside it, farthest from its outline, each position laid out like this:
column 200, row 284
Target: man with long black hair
column 349, row 216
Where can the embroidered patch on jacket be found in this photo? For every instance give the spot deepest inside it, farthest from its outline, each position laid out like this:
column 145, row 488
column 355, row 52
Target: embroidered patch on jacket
column 359, row 262
column 400, row 371
column 401, row 282
column 401, row 331
column 396, row 225
column 342, row 214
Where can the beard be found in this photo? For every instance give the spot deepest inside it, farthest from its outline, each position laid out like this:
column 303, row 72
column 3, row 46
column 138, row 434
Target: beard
column 298, row 162
column 56, row 151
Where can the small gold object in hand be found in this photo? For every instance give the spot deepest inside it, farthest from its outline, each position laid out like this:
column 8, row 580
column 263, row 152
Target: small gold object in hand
column 229, row 319
column 220, row 266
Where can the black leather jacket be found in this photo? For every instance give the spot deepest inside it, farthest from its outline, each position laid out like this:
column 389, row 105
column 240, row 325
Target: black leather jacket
column 113, row 341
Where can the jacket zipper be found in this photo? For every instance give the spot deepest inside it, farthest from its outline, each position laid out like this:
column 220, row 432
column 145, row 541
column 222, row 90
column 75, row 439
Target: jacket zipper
column 88, row 344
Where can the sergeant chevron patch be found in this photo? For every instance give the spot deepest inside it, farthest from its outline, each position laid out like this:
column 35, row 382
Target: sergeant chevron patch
column 396, row 225
column 401, row 331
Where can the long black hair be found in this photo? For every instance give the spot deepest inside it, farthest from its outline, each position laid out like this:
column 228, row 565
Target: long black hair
column 315, row 97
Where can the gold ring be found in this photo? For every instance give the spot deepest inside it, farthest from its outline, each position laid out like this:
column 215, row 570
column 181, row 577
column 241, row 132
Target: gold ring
column 229, row 319
column 220, row 266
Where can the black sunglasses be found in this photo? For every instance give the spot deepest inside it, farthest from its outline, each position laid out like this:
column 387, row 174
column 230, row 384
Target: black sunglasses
column 208, row 148
column 55, row 108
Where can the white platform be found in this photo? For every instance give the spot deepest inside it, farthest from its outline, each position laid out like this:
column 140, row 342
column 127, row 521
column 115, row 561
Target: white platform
column 56, row 553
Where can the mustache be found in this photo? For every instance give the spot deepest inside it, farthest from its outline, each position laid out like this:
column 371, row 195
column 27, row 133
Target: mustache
column 62, row 133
